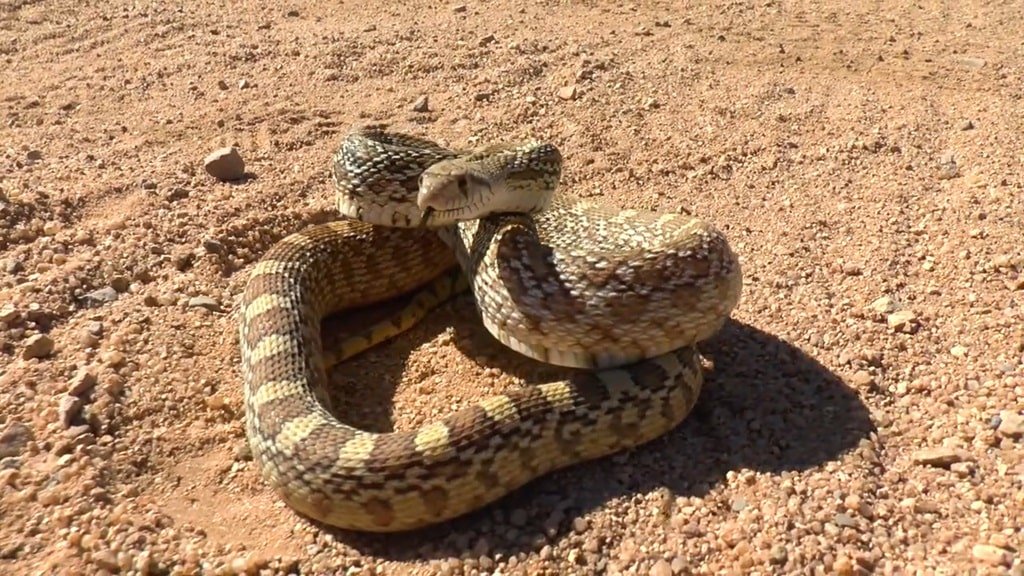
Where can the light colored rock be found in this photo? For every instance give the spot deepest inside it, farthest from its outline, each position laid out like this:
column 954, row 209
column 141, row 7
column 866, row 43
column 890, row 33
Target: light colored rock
column 225, row 164
column 903, row 321
column 1011, row 424
column 884, row 305
column 37, row 346
column 100, row 297
column 661, row 568
column 204, row 302
column 973, row 62
column 862, row 379
column 567, row 92
column 940, row 457
column 69, row 409
column 9, row 314
column 992, row 555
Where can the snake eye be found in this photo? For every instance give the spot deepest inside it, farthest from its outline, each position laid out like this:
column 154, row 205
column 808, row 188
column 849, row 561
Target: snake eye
column 463, row 185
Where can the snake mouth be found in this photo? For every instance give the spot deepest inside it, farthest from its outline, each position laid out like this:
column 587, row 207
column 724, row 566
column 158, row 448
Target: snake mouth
column 432, row 217
column 425, row 219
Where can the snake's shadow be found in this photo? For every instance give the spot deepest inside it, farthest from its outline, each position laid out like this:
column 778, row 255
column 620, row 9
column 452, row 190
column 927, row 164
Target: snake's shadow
column 766, row 406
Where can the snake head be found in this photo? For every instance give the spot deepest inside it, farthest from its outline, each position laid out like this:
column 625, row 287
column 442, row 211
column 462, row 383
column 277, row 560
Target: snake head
column 452, row 191
column 489, row 181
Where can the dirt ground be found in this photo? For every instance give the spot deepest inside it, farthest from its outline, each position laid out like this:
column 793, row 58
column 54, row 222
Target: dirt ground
column 862, row 412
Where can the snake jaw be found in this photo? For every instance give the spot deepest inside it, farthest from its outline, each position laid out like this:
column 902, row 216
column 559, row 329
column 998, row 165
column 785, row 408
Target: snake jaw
column 425, row 220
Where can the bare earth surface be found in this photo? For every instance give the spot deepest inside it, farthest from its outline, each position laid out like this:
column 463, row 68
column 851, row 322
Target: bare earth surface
column 862, row 413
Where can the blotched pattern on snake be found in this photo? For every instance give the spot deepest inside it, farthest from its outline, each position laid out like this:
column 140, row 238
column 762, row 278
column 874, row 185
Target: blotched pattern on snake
column 623, row 294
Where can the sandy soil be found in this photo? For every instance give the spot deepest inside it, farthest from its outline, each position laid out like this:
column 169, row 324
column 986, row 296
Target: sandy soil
column 863, row 411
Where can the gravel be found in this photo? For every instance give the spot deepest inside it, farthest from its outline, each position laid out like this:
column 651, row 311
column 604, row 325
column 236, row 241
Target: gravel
column 862, row 413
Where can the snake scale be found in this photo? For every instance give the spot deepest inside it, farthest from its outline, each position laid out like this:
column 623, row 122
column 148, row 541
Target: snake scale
column 622, row 295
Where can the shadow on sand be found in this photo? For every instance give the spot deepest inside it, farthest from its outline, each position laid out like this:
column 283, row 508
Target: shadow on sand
column 766, row 406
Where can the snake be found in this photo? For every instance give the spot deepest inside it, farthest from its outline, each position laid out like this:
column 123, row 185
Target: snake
column 618, row 297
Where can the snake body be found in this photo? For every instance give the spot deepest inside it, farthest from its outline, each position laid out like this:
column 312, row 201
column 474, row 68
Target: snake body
column 623, row 295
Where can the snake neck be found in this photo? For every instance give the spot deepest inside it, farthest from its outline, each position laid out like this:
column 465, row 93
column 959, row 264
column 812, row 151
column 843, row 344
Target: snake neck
column 377, row 178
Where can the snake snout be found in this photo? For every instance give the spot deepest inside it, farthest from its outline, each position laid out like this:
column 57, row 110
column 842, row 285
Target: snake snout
column 442, row 193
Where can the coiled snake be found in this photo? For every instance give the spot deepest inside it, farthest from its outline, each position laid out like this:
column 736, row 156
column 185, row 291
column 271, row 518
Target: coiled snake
column 623, row 294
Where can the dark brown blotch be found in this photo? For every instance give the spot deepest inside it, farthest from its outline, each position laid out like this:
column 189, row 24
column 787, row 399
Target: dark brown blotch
column 435, row 500
column 381, row 511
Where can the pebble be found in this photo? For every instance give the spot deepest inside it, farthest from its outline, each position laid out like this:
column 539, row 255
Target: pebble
column 862, row 379
column 567, row 92
column 100, row 297
column 204, row 302
column 962, row 469
column 106, row 560
column 37, row 346
column 144, row 563
column 422, row 104
column 243, row 452
column 182, row 259
column 9, row 314
column 661, row 568
column 225, row 164
column 119, row 283
column 69, row 409
column 992, row 555
column 80, row 431
column 213, row 246
column 1011, row 424
column 966, row 125
column 939, row 457
column 82, row 382
column 14, row 438
column 459, row 8
column 88, row 340
column 580, row 525
column 113, row 358
column 845, row 520
column 902, row 321
column 843, row 566
column 948, row 169
column 958, row 351
column 884, row 305
column 95, row 328
column 973, row 62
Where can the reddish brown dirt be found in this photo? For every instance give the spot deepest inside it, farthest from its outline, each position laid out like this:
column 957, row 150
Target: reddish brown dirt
column 862, row 414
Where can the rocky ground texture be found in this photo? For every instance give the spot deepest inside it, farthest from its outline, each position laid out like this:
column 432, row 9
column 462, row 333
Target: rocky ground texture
column 862, row 413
